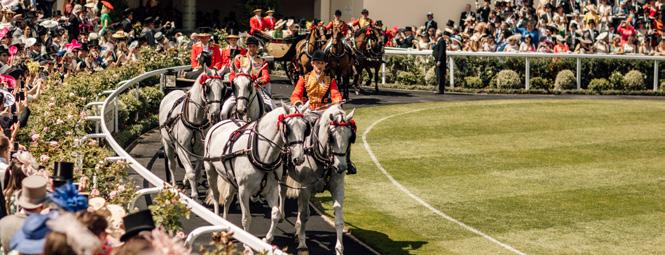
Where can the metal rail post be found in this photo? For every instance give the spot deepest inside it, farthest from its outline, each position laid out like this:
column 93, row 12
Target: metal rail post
column 579, row 73
column 383, row 73
column 655, row 75
column 451, row 71
column 527, row 73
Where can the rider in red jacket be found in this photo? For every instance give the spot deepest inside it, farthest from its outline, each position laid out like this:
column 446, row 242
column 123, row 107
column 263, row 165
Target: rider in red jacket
column 256, row 22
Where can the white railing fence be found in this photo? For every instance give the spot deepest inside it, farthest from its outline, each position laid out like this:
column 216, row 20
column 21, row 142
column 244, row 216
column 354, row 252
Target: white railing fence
column 217, row 223
column 451, row 55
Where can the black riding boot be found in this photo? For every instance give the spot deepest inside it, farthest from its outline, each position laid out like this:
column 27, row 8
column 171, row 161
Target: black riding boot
column 351, row 168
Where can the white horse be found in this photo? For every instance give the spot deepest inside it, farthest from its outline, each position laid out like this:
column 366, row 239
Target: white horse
column 248, row 158
column 246, row 102
column 326, row 157
column 184, row 119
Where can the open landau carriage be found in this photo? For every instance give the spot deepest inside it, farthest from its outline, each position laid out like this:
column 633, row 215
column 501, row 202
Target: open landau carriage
column 282, row 50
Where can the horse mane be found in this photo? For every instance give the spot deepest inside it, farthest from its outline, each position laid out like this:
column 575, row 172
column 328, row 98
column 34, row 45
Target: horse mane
column 331, row 110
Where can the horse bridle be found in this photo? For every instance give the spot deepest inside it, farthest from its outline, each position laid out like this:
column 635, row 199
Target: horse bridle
column 325, row 154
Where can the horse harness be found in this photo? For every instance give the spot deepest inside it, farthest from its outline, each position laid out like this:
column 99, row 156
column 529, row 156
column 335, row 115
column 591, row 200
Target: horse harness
column 323, row 155
column 251, row 151
column 184, row 115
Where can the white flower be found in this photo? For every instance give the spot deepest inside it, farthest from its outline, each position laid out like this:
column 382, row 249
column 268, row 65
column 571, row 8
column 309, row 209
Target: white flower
column 59, row 121
column 53, row 143
column 44, row 158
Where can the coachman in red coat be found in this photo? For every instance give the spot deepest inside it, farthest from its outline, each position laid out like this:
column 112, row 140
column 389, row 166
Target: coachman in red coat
column 256, row 22
column 204, row 44
column 231, row 51
column 269, row 21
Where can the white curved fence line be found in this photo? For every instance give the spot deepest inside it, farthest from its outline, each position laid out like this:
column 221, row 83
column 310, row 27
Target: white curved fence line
column 239, row 234
column 527, row 65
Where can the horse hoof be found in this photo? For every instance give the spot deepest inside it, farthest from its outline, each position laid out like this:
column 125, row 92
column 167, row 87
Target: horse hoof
column 303, row 251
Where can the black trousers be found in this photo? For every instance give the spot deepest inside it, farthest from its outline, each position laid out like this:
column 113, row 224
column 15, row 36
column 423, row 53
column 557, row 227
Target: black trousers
column 441, row 77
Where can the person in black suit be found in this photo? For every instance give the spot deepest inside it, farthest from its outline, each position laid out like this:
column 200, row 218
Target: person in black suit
column 466, row 14
column 439, row 52
column 127, row 22
column 430, row 22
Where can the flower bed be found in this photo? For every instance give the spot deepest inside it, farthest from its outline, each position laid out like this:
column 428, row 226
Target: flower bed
column 58, row 121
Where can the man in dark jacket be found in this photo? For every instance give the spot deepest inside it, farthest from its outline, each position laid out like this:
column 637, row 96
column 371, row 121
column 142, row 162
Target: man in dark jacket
column 439, row 52
column 127, row 22
column 430, row 22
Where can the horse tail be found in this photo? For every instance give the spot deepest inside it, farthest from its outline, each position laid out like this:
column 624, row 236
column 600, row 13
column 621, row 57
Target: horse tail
column 224, row 191
column 292, row 187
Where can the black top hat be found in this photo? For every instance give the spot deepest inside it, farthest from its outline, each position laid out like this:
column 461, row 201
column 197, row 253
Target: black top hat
column 137, row 222
column 252, row 40
column 450, row 23
column 318, row 56
column 63, row 171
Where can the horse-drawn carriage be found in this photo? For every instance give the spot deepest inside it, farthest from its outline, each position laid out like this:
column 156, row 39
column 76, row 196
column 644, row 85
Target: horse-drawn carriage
column 283, row 50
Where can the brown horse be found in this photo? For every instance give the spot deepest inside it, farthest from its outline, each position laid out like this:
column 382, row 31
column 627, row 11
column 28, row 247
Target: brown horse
column 305, row 48
column 340, row 60
column 369, row 49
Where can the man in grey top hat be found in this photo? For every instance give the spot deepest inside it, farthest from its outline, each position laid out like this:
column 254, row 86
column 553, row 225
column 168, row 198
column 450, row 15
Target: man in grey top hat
column 31, row 200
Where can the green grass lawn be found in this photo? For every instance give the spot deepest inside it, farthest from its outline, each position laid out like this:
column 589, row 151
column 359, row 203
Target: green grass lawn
column 544, row 176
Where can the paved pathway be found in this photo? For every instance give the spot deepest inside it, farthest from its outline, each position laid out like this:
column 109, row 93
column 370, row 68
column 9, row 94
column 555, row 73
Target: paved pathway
column 321, row 235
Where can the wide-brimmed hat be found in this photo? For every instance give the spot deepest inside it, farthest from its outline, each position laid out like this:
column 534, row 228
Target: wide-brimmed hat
column 137, row 222
column 159, row 36
column 30, row 42
column 257, row 10
column 602, row 36
column 63, row 172
column 270, row 11
column 77, row 8
column 33, row 192
column 90, row 4
column 93, row 36
column 515, row 37
column 279, row 24
column 119, row 35
column 32, row 235
column 232, row 36
column 49, row 23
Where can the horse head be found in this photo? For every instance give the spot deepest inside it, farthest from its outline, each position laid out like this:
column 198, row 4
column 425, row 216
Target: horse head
column 336, row 133
column 294, row 130
column 211, row 83
column 242, row 88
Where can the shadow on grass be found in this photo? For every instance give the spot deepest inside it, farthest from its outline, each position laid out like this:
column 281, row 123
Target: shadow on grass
column 377, row 240
column 382, row 242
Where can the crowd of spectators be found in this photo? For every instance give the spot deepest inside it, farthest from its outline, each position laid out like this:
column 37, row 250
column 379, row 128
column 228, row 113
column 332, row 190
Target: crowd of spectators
column 44, row 213
column 554, row 26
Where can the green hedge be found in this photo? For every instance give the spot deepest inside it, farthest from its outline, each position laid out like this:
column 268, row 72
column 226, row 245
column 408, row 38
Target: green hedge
column 415, row 69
